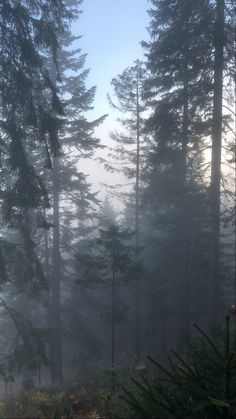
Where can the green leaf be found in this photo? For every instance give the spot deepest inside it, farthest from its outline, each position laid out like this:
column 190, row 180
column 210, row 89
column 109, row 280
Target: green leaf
column 219, row 403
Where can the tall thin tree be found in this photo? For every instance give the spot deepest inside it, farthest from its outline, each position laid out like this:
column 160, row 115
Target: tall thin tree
column 215, row 201
column 128, row 88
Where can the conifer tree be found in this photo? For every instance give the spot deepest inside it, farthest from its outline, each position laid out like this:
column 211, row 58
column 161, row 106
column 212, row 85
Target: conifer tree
column 180, row 91
column 179, row 94
column 214, row 274
column 106, row 261
column 30, row 108
column 127, row 153
column 77, row 139
column 31, row 112
column 31, row 116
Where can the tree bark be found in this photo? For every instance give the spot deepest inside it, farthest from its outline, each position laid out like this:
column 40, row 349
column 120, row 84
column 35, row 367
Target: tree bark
column 56, row 351
column 113, row 314
column 184, row 300
column 137, row 192
column 214, row 269
column 186, row 221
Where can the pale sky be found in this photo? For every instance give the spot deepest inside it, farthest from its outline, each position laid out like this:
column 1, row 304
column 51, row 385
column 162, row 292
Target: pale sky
column 111, row 33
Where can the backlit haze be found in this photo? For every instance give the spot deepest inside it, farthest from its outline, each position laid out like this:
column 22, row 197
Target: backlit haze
column 111, row 33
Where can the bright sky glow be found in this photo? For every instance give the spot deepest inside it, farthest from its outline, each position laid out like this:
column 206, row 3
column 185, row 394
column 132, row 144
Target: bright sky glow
column 111, row 33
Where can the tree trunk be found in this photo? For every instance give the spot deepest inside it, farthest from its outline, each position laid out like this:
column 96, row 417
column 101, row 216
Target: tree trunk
column 56, row 361
column 48, row 278
column 185, row 296
column 184, row 300
column 137, row 244
column 164, row 336
column 113, row 314
column 214, row 269
column 113, row 317
column 28, row 375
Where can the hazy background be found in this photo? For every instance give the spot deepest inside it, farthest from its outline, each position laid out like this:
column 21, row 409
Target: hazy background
column 111, row 32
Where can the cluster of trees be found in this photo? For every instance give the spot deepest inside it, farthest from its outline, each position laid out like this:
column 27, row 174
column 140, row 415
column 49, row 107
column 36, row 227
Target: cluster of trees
column 180, row 118
column 84, row 285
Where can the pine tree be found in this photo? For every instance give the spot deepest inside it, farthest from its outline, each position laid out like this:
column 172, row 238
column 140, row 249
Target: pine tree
column 31, row 112
column 31, row 116
column 105, row 263
column 30, row 108
column 214, row 274
column 127, row 154
column 77, row 139
column 179, row 94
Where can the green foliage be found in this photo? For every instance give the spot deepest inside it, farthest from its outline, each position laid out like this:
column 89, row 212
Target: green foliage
column 108, row 395
column 110, row 252
column 104, row 393
column 200, row 385
column 31, row 115
column 31, row 112
column 67, row 404
column 115, row 375
column 175, row 201
column 125, row 155
column 28, row 349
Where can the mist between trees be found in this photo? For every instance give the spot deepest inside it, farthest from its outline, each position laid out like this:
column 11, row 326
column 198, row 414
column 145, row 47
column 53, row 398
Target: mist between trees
column 86, row 288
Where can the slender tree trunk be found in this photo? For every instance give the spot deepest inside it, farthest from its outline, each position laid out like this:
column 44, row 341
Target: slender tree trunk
column 56, row 361
column 184, row 300
column 137, row 244
column 185, row 120
column 164, row 337
column 214, row 269
column 228, row 371
column 28, row 376
column 47, row 275
column 46, row 253
column 186, row 215
column 113, row 317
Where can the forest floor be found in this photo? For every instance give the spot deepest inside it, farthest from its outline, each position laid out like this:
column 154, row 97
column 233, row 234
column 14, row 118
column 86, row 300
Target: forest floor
column 57, row 405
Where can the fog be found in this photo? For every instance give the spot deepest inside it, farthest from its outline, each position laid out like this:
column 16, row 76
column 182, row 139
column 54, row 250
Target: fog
column 117, row 209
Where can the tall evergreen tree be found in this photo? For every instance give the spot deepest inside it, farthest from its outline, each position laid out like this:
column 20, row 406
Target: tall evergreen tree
column 179, row 94
column 106, row 262
column 214, row 274
column 31, row 112
column 127, row 153
column 77, row 138
column 31, row 116
column 30, row 108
